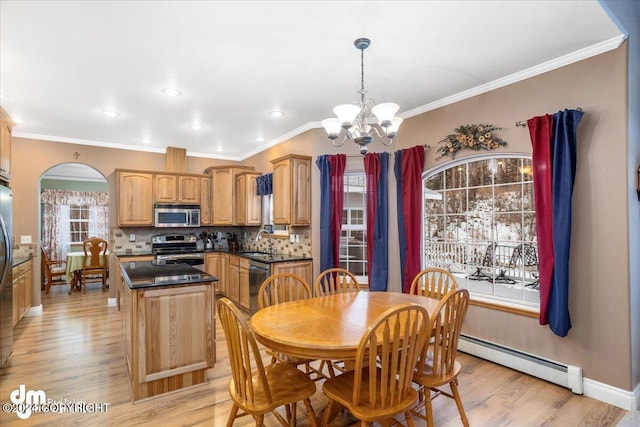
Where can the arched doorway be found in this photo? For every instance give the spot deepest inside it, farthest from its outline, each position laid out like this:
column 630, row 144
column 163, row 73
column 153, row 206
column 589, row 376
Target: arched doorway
column 74, row 205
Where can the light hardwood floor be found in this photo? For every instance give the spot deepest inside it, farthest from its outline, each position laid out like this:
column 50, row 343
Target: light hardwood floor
column 73, row 351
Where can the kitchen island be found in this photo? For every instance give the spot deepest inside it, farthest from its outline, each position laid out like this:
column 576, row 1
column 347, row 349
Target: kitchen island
column 168, row 325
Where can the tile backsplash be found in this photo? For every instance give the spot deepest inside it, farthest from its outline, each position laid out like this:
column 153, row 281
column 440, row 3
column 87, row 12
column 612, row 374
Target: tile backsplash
column 120, row 243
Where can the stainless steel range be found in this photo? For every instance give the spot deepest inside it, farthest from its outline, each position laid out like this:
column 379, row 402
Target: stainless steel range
column 178, row 248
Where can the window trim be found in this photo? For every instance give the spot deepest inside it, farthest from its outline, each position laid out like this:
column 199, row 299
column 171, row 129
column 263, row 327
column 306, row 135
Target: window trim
column 479, row 300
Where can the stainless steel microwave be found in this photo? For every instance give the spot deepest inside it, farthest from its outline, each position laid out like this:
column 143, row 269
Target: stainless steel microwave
column 176, row 215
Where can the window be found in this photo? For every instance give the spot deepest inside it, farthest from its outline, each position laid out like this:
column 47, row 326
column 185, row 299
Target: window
column 78, row 224
column 353, row 241
column 479, row 223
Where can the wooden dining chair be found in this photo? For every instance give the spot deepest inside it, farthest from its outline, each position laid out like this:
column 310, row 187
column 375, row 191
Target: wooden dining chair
column 254, row 388
column 335, row 281
column 284, row 287
column 438, row 365
column 95, row 262
column 55, row 271
column 380, row 386
column 433, row 282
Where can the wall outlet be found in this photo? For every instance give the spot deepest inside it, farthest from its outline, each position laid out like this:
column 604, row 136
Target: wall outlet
column 292, row 238
column 297, row 238
column 25, row 239
column 132, row 237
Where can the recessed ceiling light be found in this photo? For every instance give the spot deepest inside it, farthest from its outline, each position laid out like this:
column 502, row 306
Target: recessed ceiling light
column 110, row 113
column 3, row 96
column 259, row 139
column 146, row 140
column 17, row 120
column 169, row 91
column 276, row 114
column 196, row 126
column 219, row 150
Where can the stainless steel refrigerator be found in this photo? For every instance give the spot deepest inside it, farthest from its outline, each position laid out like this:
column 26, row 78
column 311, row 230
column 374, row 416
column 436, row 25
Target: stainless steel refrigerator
column 6, row 285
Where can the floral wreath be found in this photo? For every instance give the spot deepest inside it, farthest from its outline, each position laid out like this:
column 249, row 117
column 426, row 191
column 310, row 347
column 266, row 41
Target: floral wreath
column 470, row 137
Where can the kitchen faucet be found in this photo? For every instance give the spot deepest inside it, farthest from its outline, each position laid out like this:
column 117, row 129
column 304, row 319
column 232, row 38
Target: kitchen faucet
column 272, row 251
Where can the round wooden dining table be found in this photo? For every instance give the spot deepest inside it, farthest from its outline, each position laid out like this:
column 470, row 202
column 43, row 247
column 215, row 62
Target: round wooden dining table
column 328, row 327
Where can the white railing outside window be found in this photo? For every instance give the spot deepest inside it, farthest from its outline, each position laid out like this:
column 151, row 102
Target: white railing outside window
column 479, row 223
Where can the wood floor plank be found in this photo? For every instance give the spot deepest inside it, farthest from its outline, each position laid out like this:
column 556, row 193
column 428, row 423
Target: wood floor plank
column 74, row 351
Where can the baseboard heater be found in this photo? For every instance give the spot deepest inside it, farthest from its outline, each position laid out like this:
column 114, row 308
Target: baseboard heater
column 568, row 376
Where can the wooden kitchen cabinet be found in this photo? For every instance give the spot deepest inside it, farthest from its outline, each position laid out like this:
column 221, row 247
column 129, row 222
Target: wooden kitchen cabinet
column 303, row 269
column 292, row 190
column 238, row 289
column 233, row 290
column 205, row 201
column 135, row 198
column 243, row 284
column 165, row 188
column 168, row 337
column 22, row 283
column 223, row 183
column 6, row 126
column 217, row 265
column 189, row 189
column 248, row 203
column 173, row 188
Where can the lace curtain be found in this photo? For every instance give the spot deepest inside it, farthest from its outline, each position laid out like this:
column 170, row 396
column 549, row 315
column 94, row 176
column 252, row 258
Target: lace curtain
column 56, row 231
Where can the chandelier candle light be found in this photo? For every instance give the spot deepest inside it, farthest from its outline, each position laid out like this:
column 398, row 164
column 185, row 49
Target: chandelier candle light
column 355, row 118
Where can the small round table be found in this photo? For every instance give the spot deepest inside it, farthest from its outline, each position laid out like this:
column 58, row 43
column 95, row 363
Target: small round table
column 328, row 327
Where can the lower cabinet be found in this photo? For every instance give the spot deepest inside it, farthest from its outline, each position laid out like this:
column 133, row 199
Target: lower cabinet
column 168, row 336
column 233, row 274
column 217, row 265
column 22, row 282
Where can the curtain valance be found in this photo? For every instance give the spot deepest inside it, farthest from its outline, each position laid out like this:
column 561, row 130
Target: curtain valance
column 74, row 198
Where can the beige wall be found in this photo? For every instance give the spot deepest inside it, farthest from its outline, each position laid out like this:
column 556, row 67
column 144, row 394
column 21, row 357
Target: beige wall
column 599, row 265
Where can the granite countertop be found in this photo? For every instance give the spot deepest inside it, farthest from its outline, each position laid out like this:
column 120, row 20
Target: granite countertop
column 255, row 255
column 16, row 261
column 145, row 274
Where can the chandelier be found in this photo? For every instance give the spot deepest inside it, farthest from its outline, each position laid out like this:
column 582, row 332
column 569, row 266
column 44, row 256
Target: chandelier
column 356, row 118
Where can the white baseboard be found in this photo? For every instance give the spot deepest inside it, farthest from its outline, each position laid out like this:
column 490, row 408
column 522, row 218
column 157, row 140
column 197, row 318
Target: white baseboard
column 628, row 400
column 111, row 302
column 551, row 371
column 34, row 311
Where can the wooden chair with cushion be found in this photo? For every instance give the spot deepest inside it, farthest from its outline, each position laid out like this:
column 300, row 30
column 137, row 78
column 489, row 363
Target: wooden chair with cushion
column 438, row 366
column 55, row 271
column 284, row 287
column 335, row 281
column 95, row 262
column 433, row 282
column 380, row 386
column 254, row 388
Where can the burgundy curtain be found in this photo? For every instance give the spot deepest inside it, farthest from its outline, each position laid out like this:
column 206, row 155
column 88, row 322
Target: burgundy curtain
column 337, row 163
column 376, row 166
column 408, row 168
column 541, row 132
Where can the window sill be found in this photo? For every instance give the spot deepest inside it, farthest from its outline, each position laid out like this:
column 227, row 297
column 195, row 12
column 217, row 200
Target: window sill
column 533, row 312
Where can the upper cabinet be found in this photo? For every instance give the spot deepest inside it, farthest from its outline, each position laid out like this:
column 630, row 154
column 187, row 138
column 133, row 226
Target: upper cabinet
column 176, row 188
column 292, row 190
column 248, row 203
column 6, row 125
column 223, row 183
column 135, row 198
column 205, row 201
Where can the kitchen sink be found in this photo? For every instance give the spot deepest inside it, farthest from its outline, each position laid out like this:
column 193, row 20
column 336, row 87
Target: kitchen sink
column 257, row 254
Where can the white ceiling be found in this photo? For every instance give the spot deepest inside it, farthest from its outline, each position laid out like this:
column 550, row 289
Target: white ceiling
column 62, row 63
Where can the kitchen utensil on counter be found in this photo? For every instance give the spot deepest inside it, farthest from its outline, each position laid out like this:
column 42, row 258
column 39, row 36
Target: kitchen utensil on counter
column 232, row 240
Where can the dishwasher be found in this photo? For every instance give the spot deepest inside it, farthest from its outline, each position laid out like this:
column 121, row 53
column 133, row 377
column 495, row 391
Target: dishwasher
column 258, row 273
